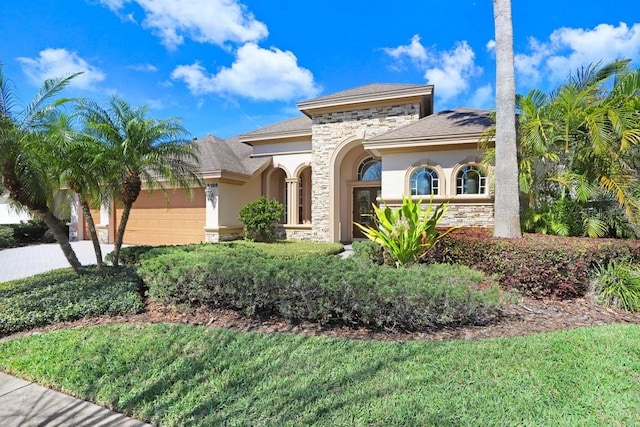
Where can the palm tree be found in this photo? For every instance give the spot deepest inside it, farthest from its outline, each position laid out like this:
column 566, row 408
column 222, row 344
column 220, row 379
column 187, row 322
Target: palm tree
column 139, row 149
column 25, row 156
column 80, row 162
column 591, row 134
column 507, row 205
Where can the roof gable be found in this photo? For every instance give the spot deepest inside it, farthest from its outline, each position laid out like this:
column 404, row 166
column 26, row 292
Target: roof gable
column 371, row 94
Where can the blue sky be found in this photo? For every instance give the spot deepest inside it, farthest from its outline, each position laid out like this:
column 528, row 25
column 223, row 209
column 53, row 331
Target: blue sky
column 228, row 67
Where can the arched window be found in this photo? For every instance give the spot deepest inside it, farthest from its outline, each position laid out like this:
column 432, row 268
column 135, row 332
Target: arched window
column 370, row 170
column 424, row 181
column 471, row 180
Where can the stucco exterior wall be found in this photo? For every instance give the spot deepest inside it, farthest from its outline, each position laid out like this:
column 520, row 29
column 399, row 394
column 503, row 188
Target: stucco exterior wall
column 223, row 211
column 396, row 169
column 329, row 131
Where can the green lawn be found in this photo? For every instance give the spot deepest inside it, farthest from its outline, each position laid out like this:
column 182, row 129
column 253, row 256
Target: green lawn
column 185, row 375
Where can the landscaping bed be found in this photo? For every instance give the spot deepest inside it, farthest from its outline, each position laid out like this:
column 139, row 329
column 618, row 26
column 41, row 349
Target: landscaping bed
column 527, row 316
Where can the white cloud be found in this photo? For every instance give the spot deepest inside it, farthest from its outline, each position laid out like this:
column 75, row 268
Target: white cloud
column 114, row 5
column 143, row 68
column 491, row 46
column 452, row 70
column 53, row 63
column 568, row 49
column 483, row 97
column 257, row 73
column 204, row 21
column 414, row 51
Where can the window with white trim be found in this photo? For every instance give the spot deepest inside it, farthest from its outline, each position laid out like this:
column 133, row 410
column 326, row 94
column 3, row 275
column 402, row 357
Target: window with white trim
column 471, row 179
column 424, row 181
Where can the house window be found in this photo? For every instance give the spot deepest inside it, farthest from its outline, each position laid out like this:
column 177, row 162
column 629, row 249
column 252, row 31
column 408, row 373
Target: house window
column 424, row 181
column 471, row 180
column 370, row 170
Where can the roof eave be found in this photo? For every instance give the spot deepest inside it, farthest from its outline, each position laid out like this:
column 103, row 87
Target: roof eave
column 271, row 136
column 308, row 107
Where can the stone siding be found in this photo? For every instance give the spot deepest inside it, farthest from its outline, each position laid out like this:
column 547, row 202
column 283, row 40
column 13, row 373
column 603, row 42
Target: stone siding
column 331, row 129
column 468, row 215
column 212, row 236
column 299, row 234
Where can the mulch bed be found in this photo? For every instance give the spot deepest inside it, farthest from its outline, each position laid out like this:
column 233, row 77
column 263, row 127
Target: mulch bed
column 527, row 316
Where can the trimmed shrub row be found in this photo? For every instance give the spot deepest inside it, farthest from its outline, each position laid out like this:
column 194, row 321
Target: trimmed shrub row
column 62, row 295
column 536, row 265
column 25, row 233
column 320, row 289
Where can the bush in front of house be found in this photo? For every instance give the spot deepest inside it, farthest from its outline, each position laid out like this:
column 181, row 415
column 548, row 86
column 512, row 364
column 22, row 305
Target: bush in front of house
column 536, row 265
column 260, row 219
column 617, row 285
column 7, row 240
column 24, row 233
column 62, row 295
column 323, row 289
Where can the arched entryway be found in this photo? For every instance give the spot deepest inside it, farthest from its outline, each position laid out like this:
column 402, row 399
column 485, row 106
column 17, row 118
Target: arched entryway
column 355, row 185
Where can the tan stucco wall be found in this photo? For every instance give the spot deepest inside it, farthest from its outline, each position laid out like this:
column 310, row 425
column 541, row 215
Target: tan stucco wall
column 302, row 145
column 396, row 167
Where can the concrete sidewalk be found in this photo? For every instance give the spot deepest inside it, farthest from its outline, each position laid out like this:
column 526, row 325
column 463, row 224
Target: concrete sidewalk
column 24, row 404
column 22, row 262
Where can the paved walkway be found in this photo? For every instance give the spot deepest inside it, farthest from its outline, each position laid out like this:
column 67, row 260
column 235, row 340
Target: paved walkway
column 22, row 262
column 26, row 404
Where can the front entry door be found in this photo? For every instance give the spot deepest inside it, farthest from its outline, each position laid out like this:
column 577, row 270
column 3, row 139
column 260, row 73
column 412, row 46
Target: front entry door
column 363, row 213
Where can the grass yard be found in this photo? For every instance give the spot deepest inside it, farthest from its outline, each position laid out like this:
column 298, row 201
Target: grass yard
column 186, row 375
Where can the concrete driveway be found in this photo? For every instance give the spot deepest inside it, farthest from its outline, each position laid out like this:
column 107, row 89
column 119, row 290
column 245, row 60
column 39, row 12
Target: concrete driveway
column 22, row 262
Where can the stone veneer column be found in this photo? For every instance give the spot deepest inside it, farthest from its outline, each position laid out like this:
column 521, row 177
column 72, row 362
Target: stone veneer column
column 329, row 130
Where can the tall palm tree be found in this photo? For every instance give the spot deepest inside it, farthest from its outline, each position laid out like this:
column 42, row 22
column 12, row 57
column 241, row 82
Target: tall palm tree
column 25, row 155
column 507, row 205
column 139, row 150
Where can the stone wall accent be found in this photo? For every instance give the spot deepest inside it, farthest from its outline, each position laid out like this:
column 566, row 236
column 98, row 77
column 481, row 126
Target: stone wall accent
column 468, row 215
column 299, row 234
column 103, row 233
column 220, row 235
column 328, row 131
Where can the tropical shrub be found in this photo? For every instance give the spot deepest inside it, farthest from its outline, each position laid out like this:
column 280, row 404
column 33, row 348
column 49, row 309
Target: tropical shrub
column 260, row 219
column 323, row 289
column 61, row 296
column 25, row 233
column 536, row 265
column 407, row 232
column 7, row 240
column 617, row 284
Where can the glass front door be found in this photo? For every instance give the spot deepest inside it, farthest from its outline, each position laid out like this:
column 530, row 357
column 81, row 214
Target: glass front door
column 363, row 212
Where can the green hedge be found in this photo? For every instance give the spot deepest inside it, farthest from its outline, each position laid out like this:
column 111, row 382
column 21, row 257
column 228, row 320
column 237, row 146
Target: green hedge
column 62, row 295
column 324, row 289
column 537, row 265
column 24, row 233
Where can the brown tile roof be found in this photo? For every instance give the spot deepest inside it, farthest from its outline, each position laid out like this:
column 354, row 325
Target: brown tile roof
column 370, row 89
column 230, row 155
column 301, row 124
column 461, row 121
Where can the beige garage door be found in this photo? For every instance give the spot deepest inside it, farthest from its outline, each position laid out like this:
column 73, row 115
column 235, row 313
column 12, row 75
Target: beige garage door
column 153, row 222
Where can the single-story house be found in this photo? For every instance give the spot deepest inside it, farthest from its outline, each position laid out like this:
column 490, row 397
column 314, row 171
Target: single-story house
column 371, row 144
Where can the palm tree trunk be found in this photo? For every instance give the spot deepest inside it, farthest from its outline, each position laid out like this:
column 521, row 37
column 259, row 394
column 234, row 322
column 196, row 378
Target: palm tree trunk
column 61, row 236
column 117, row 245
column 507, row 205
column 86, row 210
